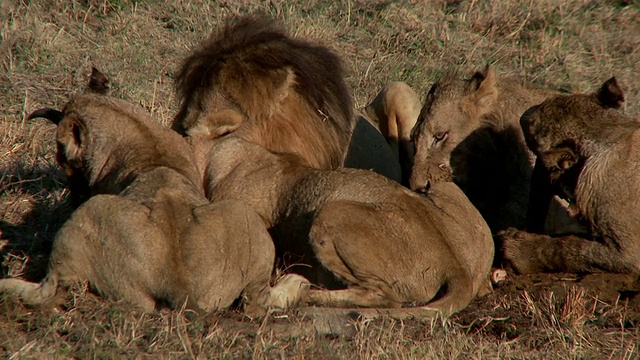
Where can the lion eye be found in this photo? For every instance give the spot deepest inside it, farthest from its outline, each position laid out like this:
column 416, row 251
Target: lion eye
column 440, row 136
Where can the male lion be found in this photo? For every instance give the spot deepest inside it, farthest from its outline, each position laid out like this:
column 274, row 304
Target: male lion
column 396, row 109
column 591, row 154
column 468, row 132
column 149, row 236
column 391, row 246
column 289, row 94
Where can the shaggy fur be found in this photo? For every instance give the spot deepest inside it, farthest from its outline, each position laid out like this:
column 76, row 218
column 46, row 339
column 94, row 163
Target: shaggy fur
column 290, row 94
column 590, row 152
column 149, row 236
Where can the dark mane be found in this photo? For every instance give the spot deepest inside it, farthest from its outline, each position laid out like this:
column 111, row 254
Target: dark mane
column 254, row 45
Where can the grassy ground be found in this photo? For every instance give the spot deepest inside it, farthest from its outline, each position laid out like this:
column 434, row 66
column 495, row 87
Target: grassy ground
column 47, row 49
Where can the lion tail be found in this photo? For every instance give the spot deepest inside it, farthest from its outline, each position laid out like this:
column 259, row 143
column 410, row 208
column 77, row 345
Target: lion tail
column 458, row 293
column 34, row 294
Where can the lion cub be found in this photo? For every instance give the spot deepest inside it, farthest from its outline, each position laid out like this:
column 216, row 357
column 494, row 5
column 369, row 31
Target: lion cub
column 392, row 247
column 149, row 236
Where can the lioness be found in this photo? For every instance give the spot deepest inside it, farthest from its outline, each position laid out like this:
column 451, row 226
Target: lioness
column 289, row 93
column 396, row 109
column 391, row 246
column 149, row 236
column 591, row 154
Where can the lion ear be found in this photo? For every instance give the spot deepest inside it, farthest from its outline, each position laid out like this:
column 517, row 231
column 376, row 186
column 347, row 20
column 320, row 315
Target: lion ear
column 217, row 124
column 72, row 139
column 98, row 82
column 485, row 92
column 610, row 95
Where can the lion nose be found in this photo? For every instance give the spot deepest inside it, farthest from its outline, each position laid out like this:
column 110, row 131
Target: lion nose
column 422, row 189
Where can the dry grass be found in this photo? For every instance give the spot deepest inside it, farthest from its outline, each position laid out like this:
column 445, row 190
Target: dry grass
column 47, row 49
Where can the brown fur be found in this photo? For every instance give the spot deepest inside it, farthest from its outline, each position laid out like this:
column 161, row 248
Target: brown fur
column 396, row 109
column 468, row 131
column 149, row 236
column 290, row 94
column 392, row 247
column 590, row 152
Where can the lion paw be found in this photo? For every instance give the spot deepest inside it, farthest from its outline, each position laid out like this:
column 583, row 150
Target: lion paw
column 289, row 291
column 521, row 252
column 511, row 233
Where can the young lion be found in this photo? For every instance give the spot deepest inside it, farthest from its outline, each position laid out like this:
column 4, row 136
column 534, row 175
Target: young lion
column 591, row 154
column 149, row 236
column 468, row 132
column 391, row 246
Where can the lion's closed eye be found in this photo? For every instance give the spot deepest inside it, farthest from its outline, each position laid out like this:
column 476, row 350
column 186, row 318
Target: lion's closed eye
column 440, row 136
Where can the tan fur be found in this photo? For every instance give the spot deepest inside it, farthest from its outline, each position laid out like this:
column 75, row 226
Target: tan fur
column 396, row 109
column 149, row 236
column 468, row 131
column 590, row 152
column 392, row 247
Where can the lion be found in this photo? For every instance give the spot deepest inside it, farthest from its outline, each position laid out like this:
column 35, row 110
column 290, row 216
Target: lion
column 581, row 141
column 468, row 131
column 289, row 93
column 390, row 246
column 147, row 235
column 396, row 109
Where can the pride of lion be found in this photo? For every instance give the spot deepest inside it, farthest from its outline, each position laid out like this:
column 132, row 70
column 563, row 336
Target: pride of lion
column 268, row 167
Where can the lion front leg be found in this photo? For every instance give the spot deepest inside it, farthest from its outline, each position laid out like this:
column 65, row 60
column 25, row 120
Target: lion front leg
column 532, row 253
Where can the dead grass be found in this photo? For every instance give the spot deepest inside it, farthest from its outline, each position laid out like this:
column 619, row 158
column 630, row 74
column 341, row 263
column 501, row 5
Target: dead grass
column 47, row 49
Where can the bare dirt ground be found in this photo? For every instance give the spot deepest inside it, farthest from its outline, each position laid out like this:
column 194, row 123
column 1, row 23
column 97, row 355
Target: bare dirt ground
column 47, row 49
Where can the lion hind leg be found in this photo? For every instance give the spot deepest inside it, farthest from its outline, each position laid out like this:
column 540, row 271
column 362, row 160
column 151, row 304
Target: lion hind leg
column 457, row 293
column 34, row 294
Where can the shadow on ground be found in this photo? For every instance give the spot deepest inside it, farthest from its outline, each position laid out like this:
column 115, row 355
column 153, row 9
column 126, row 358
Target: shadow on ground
column 33, row 207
